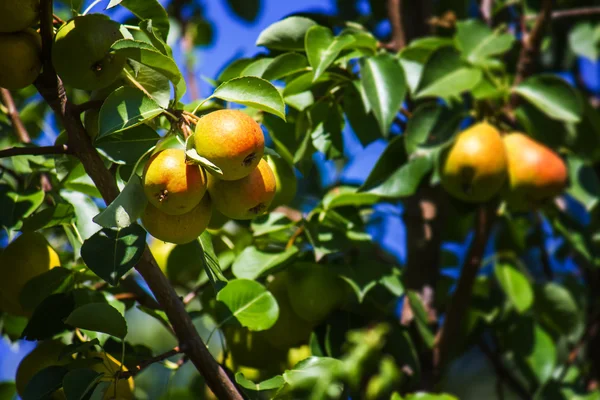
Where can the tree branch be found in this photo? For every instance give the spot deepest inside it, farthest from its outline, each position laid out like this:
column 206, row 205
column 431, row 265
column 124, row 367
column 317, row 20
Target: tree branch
column 14, row 116
column 450, row 331
column 398, row 41
column 145, row 364
column 532, row 42
column 486, row 8
column 33, row 151
column 575, row 12
column 51, row 88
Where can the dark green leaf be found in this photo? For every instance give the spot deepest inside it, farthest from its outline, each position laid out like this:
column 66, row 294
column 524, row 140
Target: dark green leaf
column 52, row 216
column 348, row 196
column 584, row 184
column 251, row 303
column 558, row 309
column 126, row 147
column 47, row 319
column 16, row 206
column 254, row 92
column 57, row 279
column 126, row 208
column 79, row 382
column 404, row 181
column 253, row 263
column 285, row 64
column 431, row 126
column 211, row 262
column 110, row 254
column 245, row 9
column 150, row 9
column 44, row 383
column 125, row 108
column 99, row 317
column 553, row 96
column 322, row 48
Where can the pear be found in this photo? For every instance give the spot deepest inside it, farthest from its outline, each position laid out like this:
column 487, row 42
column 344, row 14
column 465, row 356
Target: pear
column 17, row 15
column 245, row 198
column 535, row 173
column 474, row 168
column 232, row 141
column 21, row 62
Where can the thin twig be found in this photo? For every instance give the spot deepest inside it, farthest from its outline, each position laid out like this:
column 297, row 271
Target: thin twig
column 51, row 88
column 502, row 372
column 398, row 41
column 487, row 7
column 57, row 19
column 299, row 231
column 34, row 151
column 145, row 364
column 14, row 116
column 459, row 304
column 575, row 12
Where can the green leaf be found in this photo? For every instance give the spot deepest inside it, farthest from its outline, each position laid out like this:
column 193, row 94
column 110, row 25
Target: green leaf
column 126, row 208
column 405, row 180
column 557, row 308
column 287, row 34
column 245, row 9
column 85, row 211
column 79, row 382
column 392, row 157
column 150, row 9
column 191, row 155
column 431, row 126
column 478, row 42
column 154, row 84
column 347, row 196
column 534, row 351
column 445, row 75
column 48, row 316
column 16, row 206
column 254, row 92
column 429, row 396
column 308, row 372
column 147, row 26
column 44, row 383
column 125, row 108
column 251, row 303
column 584, row 41
column 360, row 120
column 553, row 96
column 584, row 184
column 252, row 263
column 52, row 216
column 234, row 69
column 383, row 81
column 99, row 317
column 126, row 147
column 110, row 254
column 211, row 262
column 515, row 284
column 57, row 279
column 148, row 55
column 257, row 68
column 273, row 383
column 421, row 318
column 285, row 64
column 322, row 48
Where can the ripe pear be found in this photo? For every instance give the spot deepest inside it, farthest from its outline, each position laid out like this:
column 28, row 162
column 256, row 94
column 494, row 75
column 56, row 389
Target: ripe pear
column 245, row 198
column 18, row 15
column 314, row 291
column 474, row 168
column 179, row 229
column 290, row 330
column 286, row 182
column 171, row 185
column 161, row 250
column 26, row 257
column 81, row 53
column 535, row 173
column 20, row 63
column 232, row 141
column 44, row 355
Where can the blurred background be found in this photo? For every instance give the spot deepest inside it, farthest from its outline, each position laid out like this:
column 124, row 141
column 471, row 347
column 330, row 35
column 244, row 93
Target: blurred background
column 210, row 34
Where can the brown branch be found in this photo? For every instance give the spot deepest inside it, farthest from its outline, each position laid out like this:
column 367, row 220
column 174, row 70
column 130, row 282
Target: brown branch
column 34, row 151
column 51, row 88
column 531, row 43
column 146, row 363
column 450, row 331
column 502, row 372
column 88, row 105
column 14, row 116
column 575, row 12
column 487, row 7
column 398, row 41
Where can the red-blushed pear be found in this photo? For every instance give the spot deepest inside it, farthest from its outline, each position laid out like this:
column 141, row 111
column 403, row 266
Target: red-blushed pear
column 535, row 173
column 245, row 198
column 18, row 15
column 231, row 140
column 171, row 185
column 473, row 168
column 81, row 52
column 178, row 229
column 21, row 62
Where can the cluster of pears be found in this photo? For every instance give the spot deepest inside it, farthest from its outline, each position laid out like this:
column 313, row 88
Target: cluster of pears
column 24, row 258
column 181, row 196
column 48, row 353
column 306, row 294
column 20, row 45
column 482, row 163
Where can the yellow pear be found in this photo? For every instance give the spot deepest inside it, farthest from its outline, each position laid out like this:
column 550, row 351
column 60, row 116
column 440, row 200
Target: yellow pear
column 245, row 198
column 26, row 257
column 286, row 183
column 109, row 366
column 535, row 172
column 231, row 140
column 474, row 168
column 178, row 229
column 20, row 63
